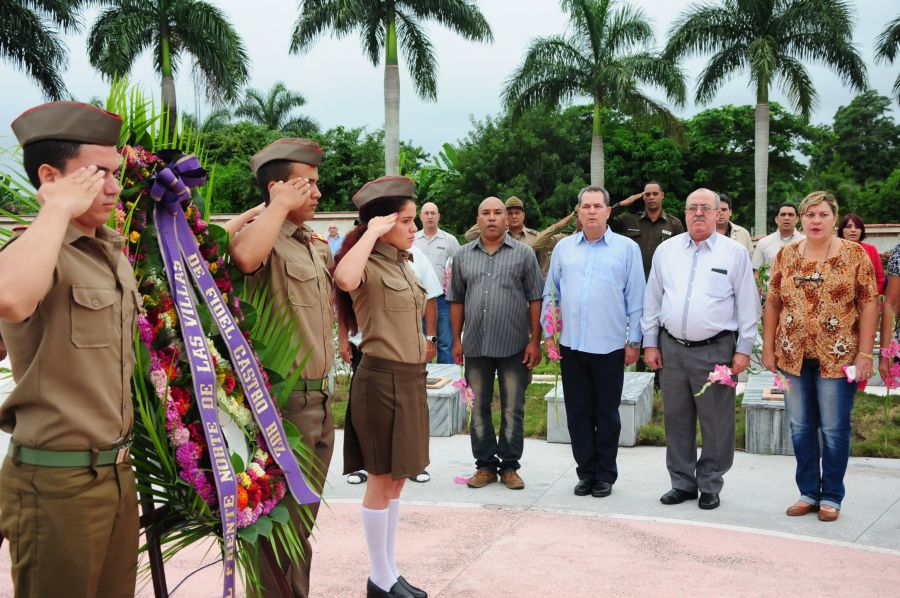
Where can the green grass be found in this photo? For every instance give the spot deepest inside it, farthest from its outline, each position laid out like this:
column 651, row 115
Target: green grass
column 868, row 420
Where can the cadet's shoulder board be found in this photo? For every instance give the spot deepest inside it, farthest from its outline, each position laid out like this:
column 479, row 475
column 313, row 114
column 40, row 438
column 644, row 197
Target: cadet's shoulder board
column 319, row 237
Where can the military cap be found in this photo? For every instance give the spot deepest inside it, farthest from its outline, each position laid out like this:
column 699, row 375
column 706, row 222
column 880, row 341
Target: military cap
column 290, row 149
column 514, row 202
column 68, row 121
column 386, row 186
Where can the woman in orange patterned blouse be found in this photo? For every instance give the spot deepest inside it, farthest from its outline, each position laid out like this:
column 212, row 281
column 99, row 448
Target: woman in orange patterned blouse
column 820, row 317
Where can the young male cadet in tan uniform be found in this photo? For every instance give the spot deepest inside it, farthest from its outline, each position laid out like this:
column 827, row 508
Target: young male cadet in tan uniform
column 68, row 302
column 293, row 261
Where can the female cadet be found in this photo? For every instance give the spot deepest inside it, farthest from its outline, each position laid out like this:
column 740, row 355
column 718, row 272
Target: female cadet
column 386, row 428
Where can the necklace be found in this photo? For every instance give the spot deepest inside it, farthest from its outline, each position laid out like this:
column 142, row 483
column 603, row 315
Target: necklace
column 817, row 277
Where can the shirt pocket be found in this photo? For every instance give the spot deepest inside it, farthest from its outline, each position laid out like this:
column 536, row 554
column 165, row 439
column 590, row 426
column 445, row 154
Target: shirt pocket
column 92, row 313
column 718, row 286
column 397, row 294
column 302, row 285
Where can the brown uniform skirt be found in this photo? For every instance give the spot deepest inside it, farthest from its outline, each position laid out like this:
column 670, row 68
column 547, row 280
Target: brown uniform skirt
column 386, row 427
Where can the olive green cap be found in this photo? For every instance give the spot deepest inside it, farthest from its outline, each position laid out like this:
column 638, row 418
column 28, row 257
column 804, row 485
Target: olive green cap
column 68, row 121
column 290, row 149
column 514, row 202
column 387, row 186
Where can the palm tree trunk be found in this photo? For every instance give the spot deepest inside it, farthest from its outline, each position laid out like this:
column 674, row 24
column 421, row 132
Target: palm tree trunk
column 598, row 163
column 169, row 102
column 391, row 103
column 761, row 160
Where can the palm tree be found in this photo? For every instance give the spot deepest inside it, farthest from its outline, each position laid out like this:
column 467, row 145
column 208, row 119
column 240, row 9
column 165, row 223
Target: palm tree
column 605, row 56
column 771, row 39
column 887, row 46
column 275, row 109
column 170, row 28
column 382, row 24
column 30, row 39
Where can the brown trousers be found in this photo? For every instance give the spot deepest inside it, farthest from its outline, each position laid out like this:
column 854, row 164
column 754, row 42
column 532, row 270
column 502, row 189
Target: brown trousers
column 310, row 411
column 72, row 531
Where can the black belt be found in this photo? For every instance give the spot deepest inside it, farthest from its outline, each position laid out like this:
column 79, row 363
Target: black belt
column 702, row 343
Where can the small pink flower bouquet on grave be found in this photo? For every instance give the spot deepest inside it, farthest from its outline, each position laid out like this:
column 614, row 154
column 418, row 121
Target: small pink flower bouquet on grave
column 468, row 395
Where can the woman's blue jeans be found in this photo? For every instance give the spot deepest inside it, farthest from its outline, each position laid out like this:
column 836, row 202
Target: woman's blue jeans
column 815, row 403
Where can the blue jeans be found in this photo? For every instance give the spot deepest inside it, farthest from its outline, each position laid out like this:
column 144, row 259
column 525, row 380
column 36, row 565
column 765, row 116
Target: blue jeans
column 491, row 453
column 444, row 331
column 815, row 403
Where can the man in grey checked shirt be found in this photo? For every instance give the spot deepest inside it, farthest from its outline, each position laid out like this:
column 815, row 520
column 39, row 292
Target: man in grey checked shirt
column 495, row 290
column 700, row 310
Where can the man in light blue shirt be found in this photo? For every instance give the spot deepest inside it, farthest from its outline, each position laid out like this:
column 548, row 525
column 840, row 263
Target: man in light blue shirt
column 335, row 241
column 596, row 278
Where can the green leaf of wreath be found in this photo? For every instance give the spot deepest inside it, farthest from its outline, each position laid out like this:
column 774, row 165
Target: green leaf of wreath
column 250, row 533
column 294, row 438
column 280, row 513
column 264, row 526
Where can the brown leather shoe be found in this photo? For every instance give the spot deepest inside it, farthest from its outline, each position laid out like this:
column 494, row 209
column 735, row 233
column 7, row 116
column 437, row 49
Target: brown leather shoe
column 800, row 508
column 828, row 513
column 512, row 480
column 482, row 478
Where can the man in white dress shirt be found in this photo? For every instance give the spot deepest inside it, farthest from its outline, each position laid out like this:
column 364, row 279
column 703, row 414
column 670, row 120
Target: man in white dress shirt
column 768, row 247
column 700, row 310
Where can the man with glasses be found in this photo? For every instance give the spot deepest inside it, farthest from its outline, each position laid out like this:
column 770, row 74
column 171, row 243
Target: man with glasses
column 700, row 310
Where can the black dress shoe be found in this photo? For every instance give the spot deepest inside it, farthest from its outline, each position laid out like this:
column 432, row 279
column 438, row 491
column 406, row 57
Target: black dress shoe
column 709, row 500
column 676, row 496
column 601, row 489
column 397, row 591
column 583, row 487
column 417, row 592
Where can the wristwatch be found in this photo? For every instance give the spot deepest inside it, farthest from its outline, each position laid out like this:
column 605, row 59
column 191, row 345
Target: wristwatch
column 431, row 339
column 634, row 345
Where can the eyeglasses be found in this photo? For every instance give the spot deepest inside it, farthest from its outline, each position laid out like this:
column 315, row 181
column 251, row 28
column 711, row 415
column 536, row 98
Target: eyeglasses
column 699, row 208
column 815, row 279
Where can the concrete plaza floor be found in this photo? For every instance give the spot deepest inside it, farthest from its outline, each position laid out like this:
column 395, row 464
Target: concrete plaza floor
column 545, row 541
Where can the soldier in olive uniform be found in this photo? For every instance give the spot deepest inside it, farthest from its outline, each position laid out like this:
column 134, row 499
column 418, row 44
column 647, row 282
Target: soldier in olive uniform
column 293, row 262
column 68, row 303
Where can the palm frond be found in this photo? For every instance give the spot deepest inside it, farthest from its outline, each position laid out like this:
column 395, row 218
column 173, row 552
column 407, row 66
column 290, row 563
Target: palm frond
column 797, row 84
column 30, row 42
column 419, row 54
column 887, row 44
column 119, row 35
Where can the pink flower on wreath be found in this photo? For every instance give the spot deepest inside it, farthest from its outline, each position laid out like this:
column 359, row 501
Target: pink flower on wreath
column 722, row 375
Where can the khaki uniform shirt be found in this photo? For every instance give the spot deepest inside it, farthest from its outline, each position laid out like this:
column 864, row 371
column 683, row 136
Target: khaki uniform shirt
column 298, row 269
column 645, row 232
column 738, row 233
column 72, row 359
column 389, row 305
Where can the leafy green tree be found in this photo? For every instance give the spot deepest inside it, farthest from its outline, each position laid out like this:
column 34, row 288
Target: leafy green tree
column 887, row 46
column 722, row 150
column 386, row 26
column 276, row 109
column 351, row 157
column 607, row 57
column 170, row 29
column 771, row 39
column 866, row 137
column 30, row 38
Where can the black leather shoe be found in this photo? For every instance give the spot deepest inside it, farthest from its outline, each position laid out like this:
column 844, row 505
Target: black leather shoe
column 676, row 496
column 397, row 591
column 601, row 489
column 417, row 592
column 708, row 500
column 583, row 487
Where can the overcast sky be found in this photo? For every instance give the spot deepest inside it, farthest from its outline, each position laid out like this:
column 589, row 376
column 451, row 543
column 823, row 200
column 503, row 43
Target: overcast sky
column 343, row 88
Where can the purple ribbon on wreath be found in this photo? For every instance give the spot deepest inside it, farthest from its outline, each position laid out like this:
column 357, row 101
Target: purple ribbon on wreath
column 182, row 260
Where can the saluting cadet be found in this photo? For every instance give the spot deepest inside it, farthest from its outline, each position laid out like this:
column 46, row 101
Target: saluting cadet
column 386, row 429
column 68, row 302
column 293, row 262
